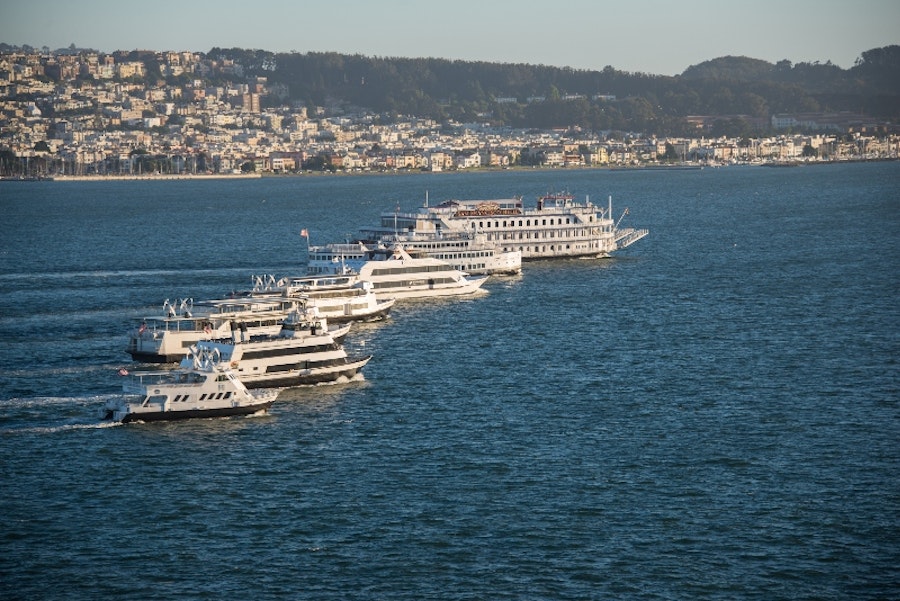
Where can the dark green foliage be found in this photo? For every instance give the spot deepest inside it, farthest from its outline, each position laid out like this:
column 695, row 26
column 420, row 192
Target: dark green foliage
column 737, row 94
column 736, row 88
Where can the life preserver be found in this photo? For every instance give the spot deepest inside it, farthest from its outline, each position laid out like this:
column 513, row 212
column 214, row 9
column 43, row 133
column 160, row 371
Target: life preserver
column 234, row 365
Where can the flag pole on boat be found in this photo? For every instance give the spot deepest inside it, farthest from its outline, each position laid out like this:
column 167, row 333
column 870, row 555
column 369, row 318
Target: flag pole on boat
column 304, row 233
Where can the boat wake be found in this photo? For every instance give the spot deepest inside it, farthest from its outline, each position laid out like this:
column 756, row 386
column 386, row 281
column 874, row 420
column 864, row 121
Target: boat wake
column 358, row 377
column 57, row 429
column 61, row 276
column 50, row 371
column 64, row 414
column 41, row 403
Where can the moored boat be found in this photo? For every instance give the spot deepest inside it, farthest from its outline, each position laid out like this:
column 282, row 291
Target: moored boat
column 203, row 386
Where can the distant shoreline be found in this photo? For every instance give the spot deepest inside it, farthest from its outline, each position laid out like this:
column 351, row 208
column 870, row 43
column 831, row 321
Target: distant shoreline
column 220, row 176
column 153, row 177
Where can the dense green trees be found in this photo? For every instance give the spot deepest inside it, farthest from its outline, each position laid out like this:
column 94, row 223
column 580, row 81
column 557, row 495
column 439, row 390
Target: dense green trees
column 737, row 88
column 735, row 95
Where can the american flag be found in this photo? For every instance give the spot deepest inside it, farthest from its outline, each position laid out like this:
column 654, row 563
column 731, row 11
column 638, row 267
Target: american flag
column 304, row 233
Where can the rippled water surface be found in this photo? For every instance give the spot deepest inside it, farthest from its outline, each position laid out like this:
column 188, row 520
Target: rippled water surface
column 712, row 414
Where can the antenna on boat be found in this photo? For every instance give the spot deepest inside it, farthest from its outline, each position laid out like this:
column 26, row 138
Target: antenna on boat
column 397, row 210
column 610, row 206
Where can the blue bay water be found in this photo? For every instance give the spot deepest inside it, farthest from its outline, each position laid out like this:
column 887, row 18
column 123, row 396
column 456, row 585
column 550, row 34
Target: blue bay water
column 712, row 414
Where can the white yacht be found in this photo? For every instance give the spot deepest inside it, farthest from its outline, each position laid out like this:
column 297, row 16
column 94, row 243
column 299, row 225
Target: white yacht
column 304, row 352
column 558, row 226
column 203, row 387
column 167, row 337
column 469, row 252
column 393, row 271
column 339, row 298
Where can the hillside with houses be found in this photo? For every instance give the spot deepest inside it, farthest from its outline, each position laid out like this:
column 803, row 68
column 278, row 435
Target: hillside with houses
column 79, row 113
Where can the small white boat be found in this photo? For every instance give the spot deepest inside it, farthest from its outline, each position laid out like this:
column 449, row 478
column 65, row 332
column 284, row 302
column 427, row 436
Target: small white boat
column 393, row 271
column 304, row 352
column 203, row 386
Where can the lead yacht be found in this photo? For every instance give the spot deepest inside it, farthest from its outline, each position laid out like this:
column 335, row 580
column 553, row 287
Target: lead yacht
column 204, row 386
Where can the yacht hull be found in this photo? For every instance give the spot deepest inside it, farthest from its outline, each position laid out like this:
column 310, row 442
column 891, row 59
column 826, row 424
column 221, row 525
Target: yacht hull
column 401, row 291
column 160, row 416
column 305, row 377
column 378, row 314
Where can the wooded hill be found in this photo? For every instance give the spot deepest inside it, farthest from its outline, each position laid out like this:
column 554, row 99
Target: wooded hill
column 744, row 91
